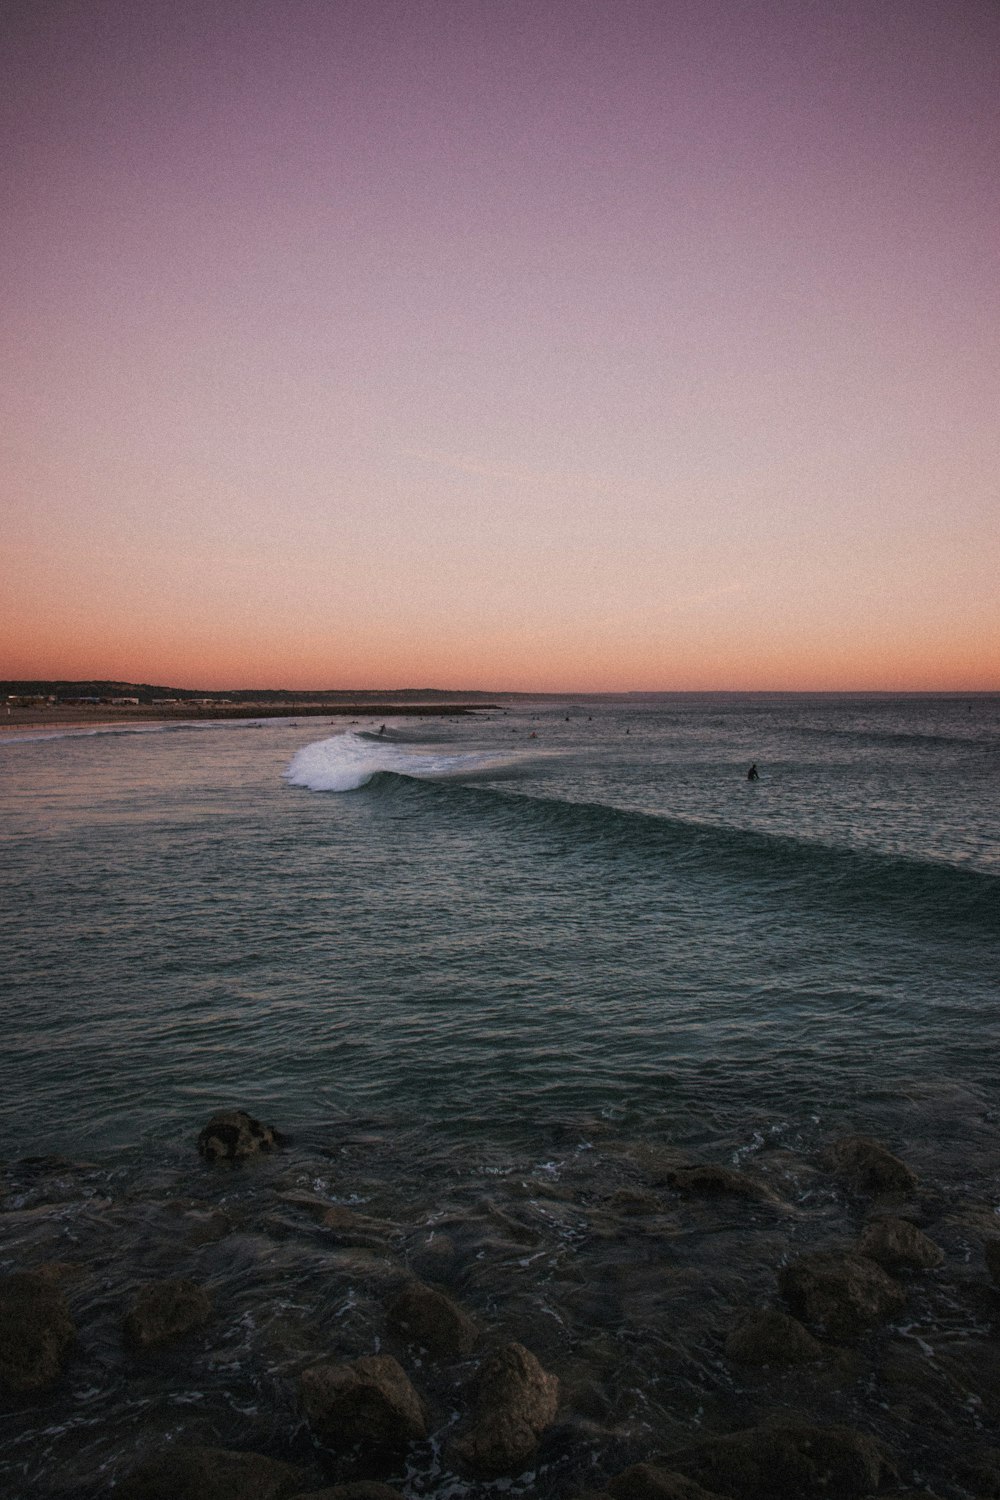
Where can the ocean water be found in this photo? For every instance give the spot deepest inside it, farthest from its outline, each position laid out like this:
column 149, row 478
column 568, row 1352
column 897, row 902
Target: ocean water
column 494, row 970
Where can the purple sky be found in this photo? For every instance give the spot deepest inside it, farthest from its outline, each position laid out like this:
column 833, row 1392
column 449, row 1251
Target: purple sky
column 474, row 344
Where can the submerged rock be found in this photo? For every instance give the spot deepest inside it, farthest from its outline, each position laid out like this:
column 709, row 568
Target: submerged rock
column 36, row 1332
column 166, row 1310
column 896, row 1244
column 787, row 1463
column 369, row 1402
column 770, row 1337
column 865, row 1166
column 515, row 1401
column 839, row 1294
column 649, row 1482
column 423, row 1316
column 717, row 1182
column 198, row 1473
column 233, row 1135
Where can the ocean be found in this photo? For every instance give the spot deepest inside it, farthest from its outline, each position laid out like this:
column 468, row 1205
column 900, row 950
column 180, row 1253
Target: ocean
column 491, row 975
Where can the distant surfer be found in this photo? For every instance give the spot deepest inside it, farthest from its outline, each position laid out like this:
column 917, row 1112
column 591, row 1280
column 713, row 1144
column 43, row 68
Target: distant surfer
column 382, row 730
column 752, row 773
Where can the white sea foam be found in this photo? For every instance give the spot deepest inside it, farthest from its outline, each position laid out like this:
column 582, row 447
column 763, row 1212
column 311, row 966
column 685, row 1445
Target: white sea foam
column 347, row 761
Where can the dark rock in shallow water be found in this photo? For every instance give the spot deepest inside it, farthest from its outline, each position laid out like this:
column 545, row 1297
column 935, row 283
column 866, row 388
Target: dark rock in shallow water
column 233, row 1135
column 787, row 1463
column 166, row 1310
column 195, row 1473
column 991, row 1251
column 769, row 1337
column 864, row 1166
column 515, row 1401
column 896, row 1244
column 648, row 1482
column 369, row 1402
column 717, row 1182
column 425, row 1317
column 839, row 1295
column 36, row 1332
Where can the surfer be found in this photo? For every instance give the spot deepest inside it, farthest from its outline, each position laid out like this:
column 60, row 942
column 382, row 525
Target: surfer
column 382, row 730
column 752, row 773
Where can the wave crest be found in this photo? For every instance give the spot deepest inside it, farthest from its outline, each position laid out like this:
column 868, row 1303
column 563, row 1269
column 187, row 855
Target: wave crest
column 348, row 761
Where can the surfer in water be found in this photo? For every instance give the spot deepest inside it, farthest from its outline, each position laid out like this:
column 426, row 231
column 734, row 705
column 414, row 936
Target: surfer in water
column 752, row 773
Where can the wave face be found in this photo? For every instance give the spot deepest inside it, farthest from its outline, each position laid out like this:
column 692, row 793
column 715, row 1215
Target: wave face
column 345, row 762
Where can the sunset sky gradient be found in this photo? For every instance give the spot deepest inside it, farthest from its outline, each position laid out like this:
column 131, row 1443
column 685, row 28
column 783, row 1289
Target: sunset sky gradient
column 502, row 344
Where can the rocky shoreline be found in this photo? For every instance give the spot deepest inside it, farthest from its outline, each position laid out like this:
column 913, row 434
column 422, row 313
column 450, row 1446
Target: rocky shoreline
column 547, row 1339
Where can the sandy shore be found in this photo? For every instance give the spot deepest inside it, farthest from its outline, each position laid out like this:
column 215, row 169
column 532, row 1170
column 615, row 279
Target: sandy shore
column 76, row 716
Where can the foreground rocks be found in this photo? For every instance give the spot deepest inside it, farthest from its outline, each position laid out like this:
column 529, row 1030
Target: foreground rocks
column 787, row 1463
column 649, row 1482
column 199, row 1473
column 233, row 1135
column 165, row 1311
column 428, row 1319
column 369, row 1403
column 839, row 1295
column 770, row 1337
column 898, row 1245
column 515, row 1401
column 36, row 1333
column 866, row 1167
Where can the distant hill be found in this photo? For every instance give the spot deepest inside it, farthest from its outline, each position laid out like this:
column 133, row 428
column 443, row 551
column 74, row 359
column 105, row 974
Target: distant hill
column 148, row 692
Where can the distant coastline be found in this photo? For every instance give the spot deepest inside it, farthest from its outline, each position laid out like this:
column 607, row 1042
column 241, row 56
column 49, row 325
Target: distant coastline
column 72, row 716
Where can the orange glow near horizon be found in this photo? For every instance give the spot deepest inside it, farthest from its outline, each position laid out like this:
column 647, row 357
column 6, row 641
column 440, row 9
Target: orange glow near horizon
column 552, row 351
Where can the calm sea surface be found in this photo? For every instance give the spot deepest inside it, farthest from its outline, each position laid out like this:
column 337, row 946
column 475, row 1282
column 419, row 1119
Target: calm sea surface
column 528, row 945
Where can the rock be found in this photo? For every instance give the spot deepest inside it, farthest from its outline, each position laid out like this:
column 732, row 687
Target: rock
column 369, row 1402
column 864, row 1166
column 233, row 1135
column 980, row 1473
column 716, row 1182
column 991, row 1251
column 896, row 1244
column 515, row 1401
column 839, row 1295
column 787, row 1463
column 196, row 1473
column 36, row 1332
column 425, row 1317
column 166, row 1310
column 634, row 1203
column 769, row 1337
column 647, row 1482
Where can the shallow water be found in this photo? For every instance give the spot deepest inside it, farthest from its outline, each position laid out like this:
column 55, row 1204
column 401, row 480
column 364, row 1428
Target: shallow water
column 488, row 983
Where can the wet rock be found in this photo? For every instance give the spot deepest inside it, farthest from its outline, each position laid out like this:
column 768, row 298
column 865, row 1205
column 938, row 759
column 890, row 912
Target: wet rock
column 634, row 1203
column 515, row 1401
column 769, row 1337
column 787, row 1463
column 647, row 1482
column 233, row 1135
column 423, row 1316
column 896, row 1244
column 839, row 1295
column 864, row 1166
column 369, row 1402
column 717, row 1182
column 196, row 1473
column 991, row 1251
column 165, row 1311
column 36, row 1332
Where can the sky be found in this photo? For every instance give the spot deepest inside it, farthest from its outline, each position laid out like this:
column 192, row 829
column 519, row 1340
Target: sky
column 541, row 345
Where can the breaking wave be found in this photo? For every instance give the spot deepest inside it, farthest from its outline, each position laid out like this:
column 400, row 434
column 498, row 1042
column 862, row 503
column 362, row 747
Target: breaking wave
column 348, row 761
